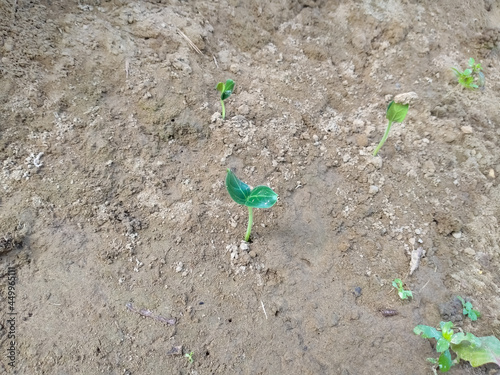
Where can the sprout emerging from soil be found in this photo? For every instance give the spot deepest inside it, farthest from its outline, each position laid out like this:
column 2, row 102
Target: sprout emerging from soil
column 258, row 197
column 396, row 112
column 226, row 89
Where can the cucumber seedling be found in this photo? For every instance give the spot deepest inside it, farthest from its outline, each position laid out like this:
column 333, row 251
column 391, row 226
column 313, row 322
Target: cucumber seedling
column 403, row 294
column 225, row 89
column 477, row 350
column 396, row 112
column 470, row 76
column 241, row 193
column 468, row 310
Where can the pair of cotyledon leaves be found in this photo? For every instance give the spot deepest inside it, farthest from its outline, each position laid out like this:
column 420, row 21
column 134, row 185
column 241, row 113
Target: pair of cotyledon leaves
column 226, row 89
column 241, row 193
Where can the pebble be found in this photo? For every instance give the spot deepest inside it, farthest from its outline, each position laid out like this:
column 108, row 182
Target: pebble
column 376, row 161
column 466, row 129
column 491, row 173
column 244, row 246
column 373, row 189
column 357, row 292
column 457, row 234
column 470, row 251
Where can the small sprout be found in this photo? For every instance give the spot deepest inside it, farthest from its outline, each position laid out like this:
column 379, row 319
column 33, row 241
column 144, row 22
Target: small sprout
column 403, row 294
column 468, row 310
column 470, row 76
column 225, row 89
column 258, row 197
column 396, row 112
column 189, row 356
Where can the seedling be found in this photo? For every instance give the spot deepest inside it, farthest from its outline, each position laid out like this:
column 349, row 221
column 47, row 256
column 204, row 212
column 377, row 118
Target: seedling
column 468, row 310
column 258, row 197
column 189, row 356
column 470, row 76
column 477, row 350
column 396, row 112
column 403, row 294
column 225, row 89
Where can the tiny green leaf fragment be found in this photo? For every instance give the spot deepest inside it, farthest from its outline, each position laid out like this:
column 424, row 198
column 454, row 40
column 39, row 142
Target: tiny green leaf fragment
column 427, row 332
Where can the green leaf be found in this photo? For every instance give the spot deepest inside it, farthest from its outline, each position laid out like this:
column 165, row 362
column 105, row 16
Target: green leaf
column 467, row 72
column 446, row 330
column 259, row 197
column 487, row 352
column 442, row 345
column 427, row 332
column 228, row 89
column 396, row 112
column 237, row 189
column 445, row 361
column 471, row 62
column 460, row 336
column 220, row 87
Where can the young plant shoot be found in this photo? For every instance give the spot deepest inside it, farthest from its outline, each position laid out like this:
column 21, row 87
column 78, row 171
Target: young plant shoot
column 225, row 89
column 468, row 310
column 403, row 294
column 477, row 350
column 471, row 78
column 396, row 112
column 258, row 197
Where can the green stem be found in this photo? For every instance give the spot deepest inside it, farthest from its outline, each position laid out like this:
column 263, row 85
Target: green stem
column 223, row 109
column 250, row 222
column 384, row 138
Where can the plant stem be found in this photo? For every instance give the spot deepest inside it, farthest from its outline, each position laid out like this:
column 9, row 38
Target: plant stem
column 250, row 222
column 223, row 109
column 384, row 138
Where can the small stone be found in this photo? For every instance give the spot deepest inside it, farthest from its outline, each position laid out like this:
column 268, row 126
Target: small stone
column 418, row 231
column 491, row 173
column 357, row 292
column 466, row 129
column 315, row 138
column 374, row 189
column 376, row 161
column 470, row 251
column 406, row 98
column 244, row 246
column 252, row 254
column 243, row 110
column 179, row 267
column 362, row 140
column 457, row 234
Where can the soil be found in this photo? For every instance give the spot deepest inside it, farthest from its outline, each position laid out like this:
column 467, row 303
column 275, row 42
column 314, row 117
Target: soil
column 126, row 246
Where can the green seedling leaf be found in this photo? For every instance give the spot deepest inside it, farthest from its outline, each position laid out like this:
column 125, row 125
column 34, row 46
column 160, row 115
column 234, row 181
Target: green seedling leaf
column 396, row 112
column 445, row 362
column 460, row 336
column 468, row 310
column 403, row 294
column 487, row 352
column 477, row 350
column 442, row 345
column 468, row 77
column 237, row 189
column 427, row 332
column 226, row 89
column 258, row 197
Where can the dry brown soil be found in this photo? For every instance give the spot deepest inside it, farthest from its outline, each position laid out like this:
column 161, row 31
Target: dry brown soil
column 113, row 207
